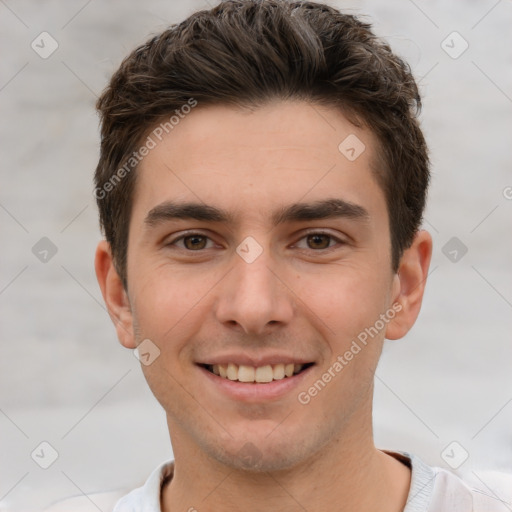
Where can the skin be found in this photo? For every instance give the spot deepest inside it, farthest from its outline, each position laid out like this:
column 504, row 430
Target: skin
column 302, row 296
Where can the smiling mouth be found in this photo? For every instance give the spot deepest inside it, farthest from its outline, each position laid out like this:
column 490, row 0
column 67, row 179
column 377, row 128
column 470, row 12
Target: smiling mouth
column 259, row 375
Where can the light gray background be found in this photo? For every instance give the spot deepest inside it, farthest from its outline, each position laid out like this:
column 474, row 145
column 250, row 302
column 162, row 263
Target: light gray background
column 65, row 379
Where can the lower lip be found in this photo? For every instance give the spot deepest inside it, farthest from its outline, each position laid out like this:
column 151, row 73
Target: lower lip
column 253, row 391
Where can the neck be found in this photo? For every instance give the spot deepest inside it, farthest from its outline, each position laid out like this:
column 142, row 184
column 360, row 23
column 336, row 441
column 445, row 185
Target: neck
column 347, row 474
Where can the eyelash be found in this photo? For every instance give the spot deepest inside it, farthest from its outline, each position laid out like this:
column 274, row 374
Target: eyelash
column 327, row 249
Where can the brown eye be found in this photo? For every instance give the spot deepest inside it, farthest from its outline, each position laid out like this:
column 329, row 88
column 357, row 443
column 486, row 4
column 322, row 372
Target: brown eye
column 318, row 241
column 195, row 242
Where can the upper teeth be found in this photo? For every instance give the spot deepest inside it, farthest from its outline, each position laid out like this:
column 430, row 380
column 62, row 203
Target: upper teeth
column 265, row 373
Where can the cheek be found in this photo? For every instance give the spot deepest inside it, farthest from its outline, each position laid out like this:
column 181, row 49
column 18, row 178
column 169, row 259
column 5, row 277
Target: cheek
column 169, row 303
column 344, row 301
column 168, row 310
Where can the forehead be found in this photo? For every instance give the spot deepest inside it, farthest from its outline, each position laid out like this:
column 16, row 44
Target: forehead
column 256, row 159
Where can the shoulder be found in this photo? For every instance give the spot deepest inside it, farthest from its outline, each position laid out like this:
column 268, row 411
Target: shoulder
column 142, row 499
column 491, row 490
column 147, row 497
column 482, row 491
column 434, row 489
column 90, row 503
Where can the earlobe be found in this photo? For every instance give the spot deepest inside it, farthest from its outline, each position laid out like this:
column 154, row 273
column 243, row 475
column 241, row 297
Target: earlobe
column 114, row 295
column 409, row 284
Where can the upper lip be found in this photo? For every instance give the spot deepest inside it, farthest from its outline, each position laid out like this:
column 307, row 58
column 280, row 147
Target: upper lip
column 255, row 361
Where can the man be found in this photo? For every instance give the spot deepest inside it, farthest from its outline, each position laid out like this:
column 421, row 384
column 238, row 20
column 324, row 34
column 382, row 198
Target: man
column 261, row 184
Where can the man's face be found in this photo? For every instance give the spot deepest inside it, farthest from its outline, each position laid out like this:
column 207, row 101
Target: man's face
column 277, row 282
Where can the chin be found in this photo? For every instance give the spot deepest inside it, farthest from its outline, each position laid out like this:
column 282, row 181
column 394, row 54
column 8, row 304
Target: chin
column 250, row 458
column 261, row 453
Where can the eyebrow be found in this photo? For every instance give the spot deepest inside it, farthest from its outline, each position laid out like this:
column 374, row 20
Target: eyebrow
column 317, row 210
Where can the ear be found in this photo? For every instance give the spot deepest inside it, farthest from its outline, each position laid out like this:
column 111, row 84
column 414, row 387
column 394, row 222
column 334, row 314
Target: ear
column 409, row 285
column 114, row 295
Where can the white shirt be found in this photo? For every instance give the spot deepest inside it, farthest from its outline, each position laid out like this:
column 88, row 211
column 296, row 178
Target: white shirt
column 432, row 489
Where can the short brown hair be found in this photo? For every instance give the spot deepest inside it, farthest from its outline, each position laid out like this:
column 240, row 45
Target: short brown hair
column 246, row 53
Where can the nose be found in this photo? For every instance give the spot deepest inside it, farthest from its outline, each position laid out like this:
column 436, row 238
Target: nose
column 254, row 296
